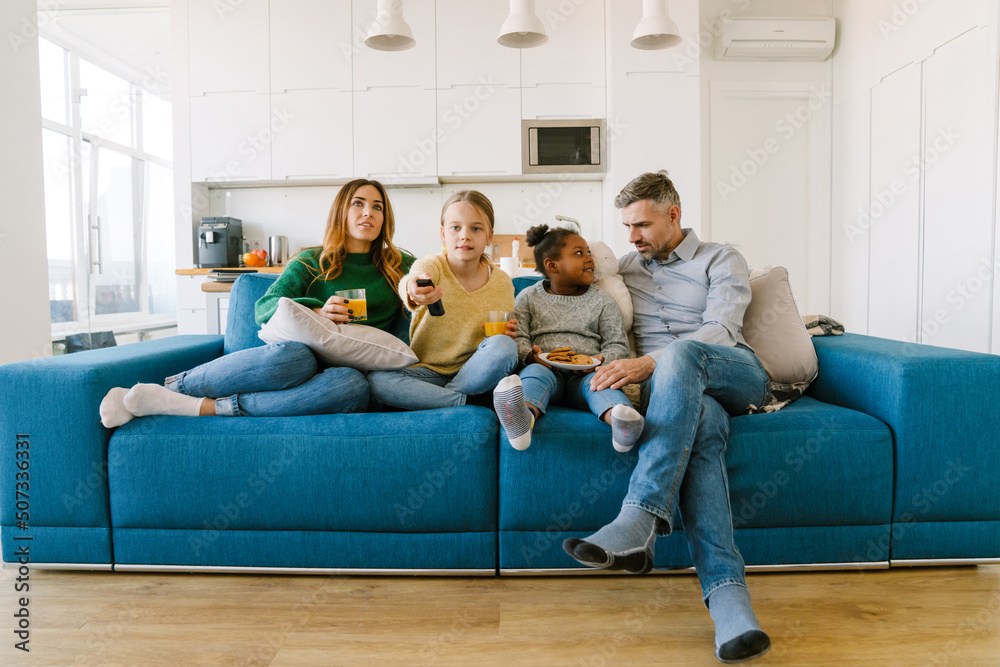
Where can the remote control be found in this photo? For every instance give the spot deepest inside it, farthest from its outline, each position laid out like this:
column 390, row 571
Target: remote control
column 437, row 308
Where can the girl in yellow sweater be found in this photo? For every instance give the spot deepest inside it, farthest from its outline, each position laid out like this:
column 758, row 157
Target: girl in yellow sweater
column 456, row 359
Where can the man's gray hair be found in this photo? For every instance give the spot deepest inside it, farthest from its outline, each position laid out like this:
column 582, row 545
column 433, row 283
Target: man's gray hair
column 656, row 186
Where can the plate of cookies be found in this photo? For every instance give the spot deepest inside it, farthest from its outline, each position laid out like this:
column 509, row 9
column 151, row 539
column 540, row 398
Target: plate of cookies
column 567, row 359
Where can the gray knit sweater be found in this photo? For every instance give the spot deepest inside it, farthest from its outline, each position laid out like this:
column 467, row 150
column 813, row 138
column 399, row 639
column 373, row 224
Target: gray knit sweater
column 590, row 323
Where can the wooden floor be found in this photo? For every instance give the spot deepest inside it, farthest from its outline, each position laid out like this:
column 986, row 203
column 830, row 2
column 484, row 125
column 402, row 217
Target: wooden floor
column 932, row 616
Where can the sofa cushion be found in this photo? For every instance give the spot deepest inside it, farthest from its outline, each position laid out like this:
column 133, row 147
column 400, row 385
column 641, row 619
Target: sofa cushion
column 810, row 464
column 352, row 345
column 773, row 328
column 408, row 472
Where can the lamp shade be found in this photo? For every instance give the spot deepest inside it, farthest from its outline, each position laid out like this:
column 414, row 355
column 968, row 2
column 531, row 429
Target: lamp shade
column 655, row 30
column 389, row 32
column 522, row 29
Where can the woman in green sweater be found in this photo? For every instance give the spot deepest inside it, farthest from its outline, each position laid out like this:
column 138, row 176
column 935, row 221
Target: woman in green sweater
column 281, row 379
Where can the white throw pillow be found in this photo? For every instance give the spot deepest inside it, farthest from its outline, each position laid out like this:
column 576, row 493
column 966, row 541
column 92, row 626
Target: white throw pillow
column 773, row 328
column 353, row 345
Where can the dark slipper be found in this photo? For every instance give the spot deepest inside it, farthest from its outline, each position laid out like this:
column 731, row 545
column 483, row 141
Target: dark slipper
column 747, row 646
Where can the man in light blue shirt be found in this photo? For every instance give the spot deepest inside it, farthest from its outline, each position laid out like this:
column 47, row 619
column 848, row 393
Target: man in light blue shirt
column 695, row 370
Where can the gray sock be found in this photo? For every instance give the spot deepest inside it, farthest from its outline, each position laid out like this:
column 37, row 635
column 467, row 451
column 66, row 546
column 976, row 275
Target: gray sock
column 626, row 427
column 737, row 632
column 632, row 531
column 514, row 414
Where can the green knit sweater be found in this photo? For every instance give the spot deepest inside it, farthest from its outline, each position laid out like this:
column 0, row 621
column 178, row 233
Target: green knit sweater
column 298, row 282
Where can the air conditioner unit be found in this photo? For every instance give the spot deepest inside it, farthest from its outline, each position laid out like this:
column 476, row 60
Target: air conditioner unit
column 766, row 38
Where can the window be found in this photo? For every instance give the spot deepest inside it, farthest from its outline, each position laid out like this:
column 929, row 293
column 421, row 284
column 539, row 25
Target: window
column 108, row 198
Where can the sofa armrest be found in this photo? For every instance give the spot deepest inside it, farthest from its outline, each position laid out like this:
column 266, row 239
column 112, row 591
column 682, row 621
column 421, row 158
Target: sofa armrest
column 52, row 404
column 941, row 406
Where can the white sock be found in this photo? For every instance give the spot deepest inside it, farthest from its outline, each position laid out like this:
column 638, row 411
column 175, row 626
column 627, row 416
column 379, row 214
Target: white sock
column 514, row 414
column 113, row 410
column 153, row 399
column 626, row 427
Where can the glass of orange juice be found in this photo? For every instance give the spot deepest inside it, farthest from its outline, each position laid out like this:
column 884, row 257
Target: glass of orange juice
column 496, row 322
column 356, row 302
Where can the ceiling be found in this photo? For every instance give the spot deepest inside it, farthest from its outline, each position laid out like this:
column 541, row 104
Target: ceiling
column 129, row 37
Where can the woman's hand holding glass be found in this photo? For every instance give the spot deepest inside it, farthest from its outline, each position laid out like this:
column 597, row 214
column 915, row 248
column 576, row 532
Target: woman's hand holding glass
column 335, row 309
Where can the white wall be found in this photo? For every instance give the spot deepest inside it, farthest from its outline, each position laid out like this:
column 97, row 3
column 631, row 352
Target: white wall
column 914, row 171
column 765, row 140
column 24, row 299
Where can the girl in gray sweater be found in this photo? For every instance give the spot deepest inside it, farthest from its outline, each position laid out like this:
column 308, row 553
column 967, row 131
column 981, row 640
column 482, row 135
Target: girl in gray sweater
column 564, row 310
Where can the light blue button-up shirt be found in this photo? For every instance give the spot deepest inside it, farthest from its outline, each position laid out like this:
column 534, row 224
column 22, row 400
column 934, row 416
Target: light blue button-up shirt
column 700, row 292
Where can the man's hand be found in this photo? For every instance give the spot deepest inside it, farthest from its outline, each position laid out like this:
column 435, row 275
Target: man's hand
column 619, row 373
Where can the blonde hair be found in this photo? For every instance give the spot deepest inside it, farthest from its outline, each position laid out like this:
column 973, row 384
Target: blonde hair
column 386, row 257
column 478, row 201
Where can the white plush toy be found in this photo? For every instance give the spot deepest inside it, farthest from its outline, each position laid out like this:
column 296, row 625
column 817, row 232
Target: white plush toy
column 606, row 277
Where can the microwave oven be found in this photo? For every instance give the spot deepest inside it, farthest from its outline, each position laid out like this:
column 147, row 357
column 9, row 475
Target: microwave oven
column 564, row 146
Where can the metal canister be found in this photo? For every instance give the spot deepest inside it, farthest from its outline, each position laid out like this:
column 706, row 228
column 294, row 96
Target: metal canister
column 277, row 250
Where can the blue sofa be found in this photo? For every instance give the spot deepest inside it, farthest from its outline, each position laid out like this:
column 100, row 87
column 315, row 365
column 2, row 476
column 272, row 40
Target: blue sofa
column 891, row 458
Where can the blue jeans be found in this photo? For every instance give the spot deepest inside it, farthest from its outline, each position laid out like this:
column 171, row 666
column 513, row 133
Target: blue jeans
column 542, row 385
column 419, row 388
column 682, row 451
column 276, row 380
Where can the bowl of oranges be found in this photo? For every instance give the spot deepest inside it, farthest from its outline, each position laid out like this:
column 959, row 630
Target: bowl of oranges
column 256, row 257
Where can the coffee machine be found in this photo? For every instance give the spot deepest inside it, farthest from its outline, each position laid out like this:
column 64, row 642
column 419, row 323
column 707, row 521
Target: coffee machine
column 220, row 241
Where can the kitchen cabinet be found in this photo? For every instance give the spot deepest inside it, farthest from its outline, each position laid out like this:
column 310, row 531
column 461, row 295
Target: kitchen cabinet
column 311, row 45
column 467, row 48
column 395, row 133
column 563, row 101
column 228, row 46
column 575, row 50
column 231, row 136
column 317, row 141
column 413, row 67
column 479, row 131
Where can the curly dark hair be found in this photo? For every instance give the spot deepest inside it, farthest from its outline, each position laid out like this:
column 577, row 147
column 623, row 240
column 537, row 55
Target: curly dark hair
column 548, row 244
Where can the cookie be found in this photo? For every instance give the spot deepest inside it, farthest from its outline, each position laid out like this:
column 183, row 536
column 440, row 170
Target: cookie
column 580, row 360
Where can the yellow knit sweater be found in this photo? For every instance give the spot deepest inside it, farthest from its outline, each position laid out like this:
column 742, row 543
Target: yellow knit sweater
column 444, row 343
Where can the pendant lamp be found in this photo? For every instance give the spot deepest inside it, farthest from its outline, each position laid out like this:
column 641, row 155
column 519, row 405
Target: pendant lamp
column 389, row 32
column 522, row 29
column 656, row 30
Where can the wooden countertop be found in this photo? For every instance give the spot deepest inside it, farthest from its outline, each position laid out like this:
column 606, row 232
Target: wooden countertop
column 246, row 269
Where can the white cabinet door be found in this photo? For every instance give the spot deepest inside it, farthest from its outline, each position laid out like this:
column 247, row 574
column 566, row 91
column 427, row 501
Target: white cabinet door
column 893, row 219
column 228, row 46
column 575, row 50
column 957, row 164
column 413, row 67
column 317, row 140
column 311, row 45
column 467, row 48
column 395, row 133
column 563, row 101
column 231, row 135
column 479, row 131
